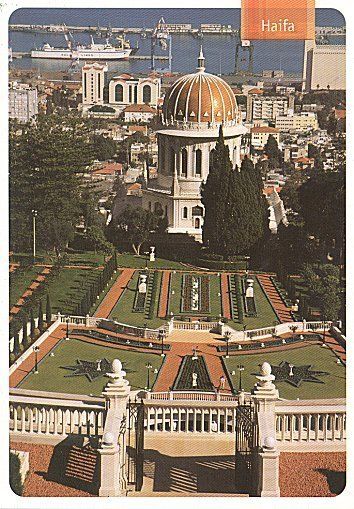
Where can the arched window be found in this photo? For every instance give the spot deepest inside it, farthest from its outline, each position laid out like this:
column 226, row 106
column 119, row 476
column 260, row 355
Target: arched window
column 118, row 93
column 165, row 210
column 150, row 205
column 198, row 162
column 211, row 158
column 172, row 161
column 197, row 222
column 185, row 213
column 146, row 94
column 184, row 161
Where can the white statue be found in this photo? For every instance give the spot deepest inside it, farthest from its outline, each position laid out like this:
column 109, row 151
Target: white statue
column 249, row 289
column 152, row 254
column 194, row 379
column 142, row 283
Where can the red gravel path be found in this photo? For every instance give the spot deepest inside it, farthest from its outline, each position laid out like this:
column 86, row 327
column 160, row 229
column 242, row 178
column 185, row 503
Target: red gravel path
column 173, row 360
column 282, row 310
column 225, row 296
column 36, row 484
column 165, row 286
column 28, row 365
column 110, row 300
column 315, row 474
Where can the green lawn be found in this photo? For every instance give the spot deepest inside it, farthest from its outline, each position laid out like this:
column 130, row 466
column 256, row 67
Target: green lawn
column 321, row 359
column 20, row 280
column 123, row 310
column 51, row 373
column 265, row 314
column 68, row 287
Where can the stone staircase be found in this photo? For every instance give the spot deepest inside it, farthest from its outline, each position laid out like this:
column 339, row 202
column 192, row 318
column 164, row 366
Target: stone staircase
column 280, row 308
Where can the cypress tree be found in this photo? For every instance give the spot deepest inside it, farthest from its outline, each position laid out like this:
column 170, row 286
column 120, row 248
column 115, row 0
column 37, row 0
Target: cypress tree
column 16, row 349
column 40, row 317
column 214, row 197
column 48, row 310
column 235, row 208
column 33, row 325
column 24, row 329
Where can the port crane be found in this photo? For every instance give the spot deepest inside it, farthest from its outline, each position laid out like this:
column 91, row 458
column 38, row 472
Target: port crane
column 242, row 47
column 161, row 37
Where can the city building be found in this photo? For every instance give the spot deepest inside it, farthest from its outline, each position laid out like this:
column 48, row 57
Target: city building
column 264, row 107
column 139, row 113
column 194, row 108
column 121, row 91
column 23, row 102
column 301, row 122
column 324, row 66
column 260, row 135
column 93, row 78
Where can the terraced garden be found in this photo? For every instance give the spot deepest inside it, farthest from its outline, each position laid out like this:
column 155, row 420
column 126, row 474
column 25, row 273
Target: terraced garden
column 56, row 372
column 331, row 384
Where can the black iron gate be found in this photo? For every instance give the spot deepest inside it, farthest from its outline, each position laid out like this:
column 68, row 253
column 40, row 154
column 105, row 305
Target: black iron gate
column 246, row 449
column 135, row 443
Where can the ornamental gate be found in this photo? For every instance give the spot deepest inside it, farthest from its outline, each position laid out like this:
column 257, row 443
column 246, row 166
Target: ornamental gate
column 135, row 443
column 246, row 449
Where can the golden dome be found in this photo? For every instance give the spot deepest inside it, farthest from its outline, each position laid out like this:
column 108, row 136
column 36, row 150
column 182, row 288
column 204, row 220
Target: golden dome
column 200, row 98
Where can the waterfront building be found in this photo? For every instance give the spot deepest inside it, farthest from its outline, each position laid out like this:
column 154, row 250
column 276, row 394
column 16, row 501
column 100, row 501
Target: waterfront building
column 23, row 101
column 324, row 66
column 194, row 108
column 93, row 77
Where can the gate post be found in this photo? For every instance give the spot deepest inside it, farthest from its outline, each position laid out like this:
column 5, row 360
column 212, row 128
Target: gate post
column 264, row 395
column 116, row 393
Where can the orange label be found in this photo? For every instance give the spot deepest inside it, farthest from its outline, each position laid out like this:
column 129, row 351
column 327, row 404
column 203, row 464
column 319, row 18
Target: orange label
column 277, row 19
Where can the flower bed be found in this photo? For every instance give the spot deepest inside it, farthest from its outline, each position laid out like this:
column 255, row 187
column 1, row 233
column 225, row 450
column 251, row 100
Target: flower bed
column 195, row 294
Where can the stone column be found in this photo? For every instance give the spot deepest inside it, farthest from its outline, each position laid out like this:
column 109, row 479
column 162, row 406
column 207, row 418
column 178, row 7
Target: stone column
column 264, row 395
column 116, row 394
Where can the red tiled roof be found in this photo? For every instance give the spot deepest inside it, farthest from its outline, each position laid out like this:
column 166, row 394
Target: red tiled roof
column 139, row 108
column 264, row 129
column 108, row 169
column 255, row 91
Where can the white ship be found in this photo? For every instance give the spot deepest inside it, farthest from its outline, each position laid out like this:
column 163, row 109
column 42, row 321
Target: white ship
column 92, row 51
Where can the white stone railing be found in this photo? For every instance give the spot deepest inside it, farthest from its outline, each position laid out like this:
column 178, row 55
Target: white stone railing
column 190, row 417
column 42, row 415
column 195, row 326
column 282, row 328
column 189, row 396
column 307, row 422
column 29, row 350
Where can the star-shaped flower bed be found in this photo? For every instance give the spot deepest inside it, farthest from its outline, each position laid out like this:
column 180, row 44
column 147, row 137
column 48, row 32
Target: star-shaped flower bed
column 295, row 375
column 91, row 369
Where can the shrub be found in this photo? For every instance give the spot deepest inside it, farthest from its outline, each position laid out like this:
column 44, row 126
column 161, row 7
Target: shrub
column 14, row 473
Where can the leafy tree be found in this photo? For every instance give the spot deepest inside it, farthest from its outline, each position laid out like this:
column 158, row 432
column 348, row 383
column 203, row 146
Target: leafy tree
column 47, row 162
column 323, row 282
column 95, row 235
column 104, row 148
column 322, row 200
column 135, row 224
column 48, row 310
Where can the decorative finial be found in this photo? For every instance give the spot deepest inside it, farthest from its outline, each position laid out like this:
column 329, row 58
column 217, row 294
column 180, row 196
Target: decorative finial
column 201, row 60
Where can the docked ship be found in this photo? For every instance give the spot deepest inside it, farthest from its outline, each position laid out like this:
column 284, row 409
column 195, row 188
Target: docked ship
column 92, row 51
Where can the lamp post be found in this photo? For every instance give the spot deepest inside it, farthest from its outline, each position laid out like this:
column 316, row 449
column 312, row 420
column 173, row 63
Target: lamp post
column 324, row 331
column 247, row 263
column 36, row 350
column 34, row 215
column 227, row 339
column 241, row 368
column 162, row 335
column 148, row 367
